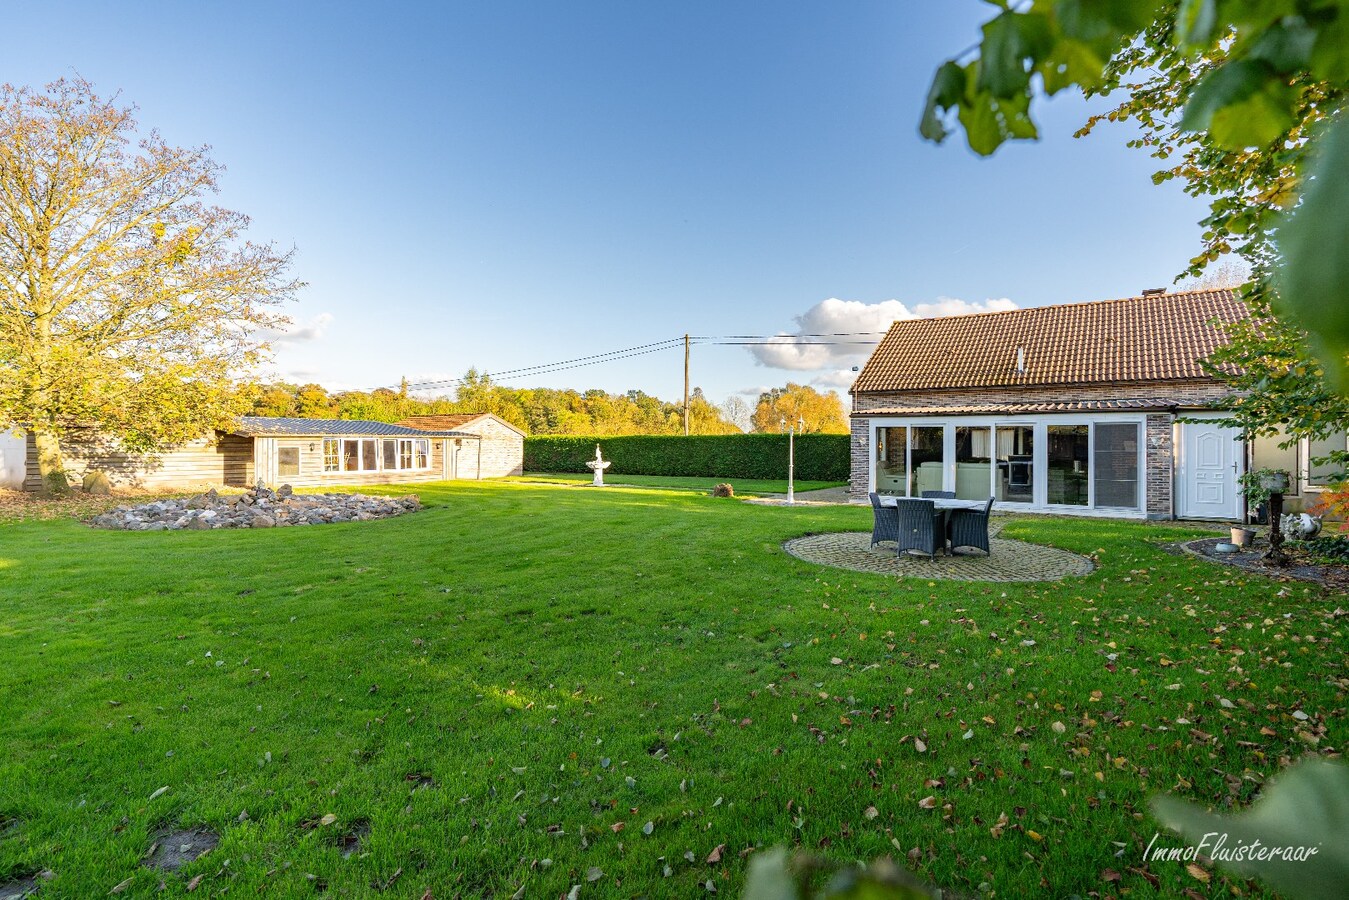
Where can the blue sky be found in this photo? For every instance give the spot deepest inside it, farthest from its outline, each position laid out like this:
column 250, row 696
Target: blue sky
column 506, row 184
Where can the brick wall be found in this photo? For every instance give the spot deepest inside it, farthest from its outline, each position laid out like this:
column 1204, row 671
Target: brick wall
column 861, row 455
column 503, row 450
column 1161, row 464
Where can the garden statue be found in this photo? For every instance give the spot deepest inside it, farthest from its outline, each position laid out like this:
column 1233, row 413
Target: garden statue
column 1302, row 527
column 598, row 465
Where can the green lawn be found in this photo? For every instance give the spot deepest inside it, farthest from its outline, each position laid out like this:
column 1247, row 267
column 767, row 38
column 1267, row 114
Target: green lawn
column 506, row 688
column 743, row 486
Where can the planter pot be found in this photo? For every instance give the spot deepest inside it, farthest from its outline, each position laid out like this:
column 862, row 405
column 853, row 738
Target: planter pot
column 1243, row 537
column 1276, row 483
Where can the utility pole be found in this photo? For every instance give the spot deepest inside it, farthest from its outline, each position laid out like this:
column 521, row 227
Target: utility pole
column 686, row 385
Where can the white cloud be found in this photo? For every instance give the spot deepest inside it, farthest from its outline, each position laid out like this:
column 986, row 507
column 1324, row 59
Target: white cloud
column 835, row 379
column 296, row 333
column 859, row 326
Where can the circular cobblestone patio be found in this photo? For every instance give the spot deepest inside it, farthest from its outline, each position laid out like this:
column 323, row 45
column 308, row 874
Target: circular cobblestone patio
column 1011, row 560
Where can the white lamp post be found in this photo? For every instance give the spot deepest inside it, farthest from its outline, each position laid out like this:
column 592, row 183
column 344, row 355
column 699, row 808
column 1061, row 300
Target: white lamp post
column 791, row 456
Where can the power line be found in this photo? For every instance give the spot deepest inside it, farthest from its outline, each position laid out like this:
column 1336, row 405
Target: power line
column 729, row 340
column 541, row 368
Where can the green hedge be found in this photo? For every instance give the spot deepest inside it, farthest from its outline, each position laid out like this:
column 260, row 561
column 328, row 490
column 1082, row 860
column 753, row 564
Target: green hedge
column 819, row 457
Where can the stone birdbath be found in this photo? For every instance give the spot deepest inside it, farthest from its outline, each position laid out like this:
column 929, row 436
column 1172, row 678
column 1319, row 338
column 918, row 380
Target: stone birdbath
column 598, row 465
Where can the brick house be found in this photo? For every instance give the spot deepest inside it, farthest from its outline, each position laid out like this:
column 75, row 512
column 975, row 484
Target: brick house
column 1067, row 409
column 498, row 452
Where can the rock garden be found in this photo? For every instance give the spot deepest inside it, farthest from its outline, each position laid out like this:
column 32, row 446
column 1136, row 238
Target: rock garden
column 259, row 507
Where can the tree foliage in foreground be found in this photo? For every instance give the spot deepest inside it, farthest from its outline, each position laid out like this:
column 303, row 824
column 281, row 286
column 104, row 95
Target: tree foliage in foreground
column 127, row 301
column 1242, row 102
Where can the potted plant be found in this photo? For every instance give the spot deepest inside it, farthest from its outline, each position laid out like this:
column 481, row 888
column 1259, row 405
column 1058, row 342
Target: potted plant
column 1256, row 487
column 1258, row 484
column 1273, row 481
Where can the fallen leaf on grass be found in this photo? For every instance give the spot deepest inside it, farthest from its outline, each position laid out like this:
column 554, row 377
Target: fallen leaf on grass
column 594, row 873
column 1197, row 873
column 928, row 803
column 919, row 746
column 715, row 856
column 161, row 792
column 871, row 812
column 328, row 819
column 118, row 888
column 192, row 885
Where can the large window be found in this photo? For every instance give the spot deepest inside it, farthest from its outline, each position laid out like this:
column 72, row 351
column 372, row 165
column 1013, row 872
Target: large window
column 1016, row 463
column 288, row 461
column 375, row 454
column 974, row 462
column 926, row 458
column 892, row 460
column 1115, row 465
column 332, row 455
column 1327, row 471
column 1066, row 464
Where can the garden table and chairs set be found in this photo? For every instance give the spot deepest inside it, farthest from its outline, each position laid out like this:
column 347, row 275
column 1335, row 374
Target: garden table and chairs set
column 936, row 523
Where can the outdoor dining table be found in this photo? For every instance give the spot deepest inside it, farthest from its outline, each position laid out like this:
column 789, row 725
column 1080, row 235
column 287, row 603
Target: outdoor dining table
column 942, row 503
column 945, row 506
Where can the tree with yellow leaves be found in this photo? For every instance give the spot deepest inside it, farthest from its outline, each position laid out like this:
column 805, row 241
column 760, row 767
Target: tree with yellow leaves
column 128, row 303
column 821, row 412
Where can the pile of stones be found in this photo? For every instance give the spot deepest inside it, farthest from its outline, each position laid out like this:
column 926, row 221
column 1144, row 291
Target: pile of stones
column 260, row 507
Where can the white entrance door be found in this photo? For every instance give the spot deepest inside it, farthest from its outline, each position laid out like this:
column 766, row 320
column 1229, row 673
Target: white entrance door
column 1206, row 477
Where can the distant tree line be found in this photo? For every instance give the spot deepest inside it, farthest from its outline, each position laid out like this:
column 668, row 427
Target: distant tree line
column 560, row 411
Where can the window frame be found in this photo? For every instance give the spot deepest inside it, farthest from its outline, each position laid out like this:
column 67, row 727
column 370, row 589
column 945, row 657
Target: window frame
column 415, row 451
column 1039, row 436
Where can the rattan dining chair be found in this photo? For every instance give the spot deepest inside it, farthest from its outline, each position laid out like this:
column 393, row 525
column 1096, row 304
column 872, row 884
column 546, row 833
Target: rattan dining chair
column 969, row 528
column 920, row 527
column 886, row 524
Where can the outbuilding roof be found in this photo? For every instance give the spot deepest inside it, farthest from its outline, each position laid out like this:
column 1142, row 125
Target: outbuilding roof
column 1155, row 337
column 455, row 420
column 271, row 426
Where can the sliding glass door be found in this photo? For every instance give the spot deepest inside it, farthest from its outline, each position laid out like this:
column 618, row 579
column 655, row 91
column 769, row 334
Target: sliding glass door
column 892, row 460
column 1115, row 465
column 926, row 459
column 1066, row 462
column 1015, row 449
column 974, row 462
column 1056, row 462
